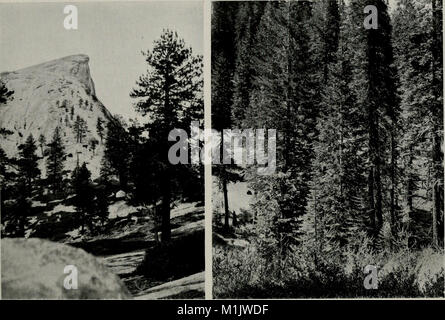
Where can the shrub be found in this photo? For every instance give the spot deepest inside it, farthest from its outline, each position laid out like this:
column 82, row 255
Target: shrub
column 307, row 271
column 178, row 258
column 430, row 271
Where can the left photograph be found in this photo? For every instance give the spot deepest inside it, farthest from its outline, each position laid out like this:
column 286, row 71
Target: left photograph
column 97, row 104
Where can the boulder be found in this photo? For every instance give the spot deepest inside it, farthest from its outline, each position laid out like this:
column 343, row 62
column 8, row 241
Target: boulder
column 35, row 269
column 120, row 194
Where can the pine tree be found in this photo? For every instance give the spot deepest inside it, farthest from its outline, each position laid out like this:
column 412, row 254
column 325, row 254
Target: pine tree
column 418, row 48
column 331, row 34
column 42, row 143
column 28, row 163
column 83, row 195
column 55, row 162
column 3, row 163
column 279, row 98
column 4, row 160
column 5, row 94
column 247, row 20
column 171, row 93
column 80, row 129
column 223, row 68
column 100, row 128
column 101, row 204
column 375, row 86
column 21, row 208
column 272, row 39
column 338, row 184
column 437, row 183
column 144, row 167
column 93, row 144
column 117, row 153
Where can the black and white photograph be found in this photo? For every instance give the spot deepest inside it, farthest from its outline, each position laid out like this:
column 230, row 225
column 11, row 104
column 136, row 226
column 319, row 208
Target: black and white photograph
column 350, row 93
column 254, row 153
column 91, row 205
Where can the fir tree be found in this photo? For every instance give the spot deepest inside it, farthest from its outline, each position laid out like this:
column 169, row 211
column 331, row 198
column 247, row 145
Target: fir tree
column 80, row 129
column 21, row 208
column 100, row 128
column 28, row 163
column 5, row 94
column 3, row 163
column 337, row 188
column 247, row 20
column 42, row 143
column 223, row 68
column 117, row 153
column 83, row 195
column 55, row 162
column 417, row 47
column 277, row 95
column 93, row 144
column 101, row 204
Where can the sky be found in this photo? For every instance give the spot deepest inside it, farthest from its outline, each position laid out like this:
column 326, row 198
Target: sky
column 112, row 34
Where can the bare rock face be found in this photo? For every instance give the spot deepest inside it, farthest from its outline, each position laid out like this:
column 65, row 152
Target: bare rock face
column 34, row 269
column 49, row 95
column 120, row 194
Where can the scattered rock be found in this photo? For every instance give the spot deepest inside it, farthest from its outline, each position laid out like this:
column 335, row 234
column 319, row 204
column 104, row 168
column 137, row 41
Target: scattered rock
column 120, row 194
column 238, row 243
column 34, row 269
column 193, row 283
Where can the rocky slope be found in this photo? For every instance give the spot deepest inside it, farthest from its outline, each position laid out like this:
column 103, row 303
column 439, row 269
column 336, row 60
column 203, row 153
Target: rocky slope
column 54, row 94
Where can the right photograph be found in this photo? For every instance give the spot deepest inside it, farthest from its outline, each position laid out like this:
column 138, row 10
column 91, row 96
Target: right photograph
column 329, row 118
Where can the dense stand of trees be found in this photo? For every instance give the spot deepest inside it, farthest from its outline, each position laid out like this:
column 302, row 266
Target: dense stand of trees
column 223, row 68
column 23, row 183
column 358, row 112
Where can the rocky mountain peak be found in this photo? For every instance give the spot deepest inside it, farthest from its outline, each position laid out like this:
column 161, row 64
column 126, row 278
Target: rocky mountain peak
column 54, row 94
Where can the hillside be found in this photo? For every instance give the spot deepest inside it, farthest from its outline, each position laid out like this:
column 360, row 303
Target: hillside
column 54, row 94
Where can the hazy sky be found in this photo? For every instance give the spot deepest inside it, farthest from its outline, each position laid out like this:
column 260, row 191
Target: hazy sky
column 112, row 34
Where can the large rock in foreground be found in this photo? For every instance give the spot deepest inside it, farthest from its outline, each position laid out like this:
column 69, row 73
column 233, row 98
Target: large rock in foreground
column 34, row 269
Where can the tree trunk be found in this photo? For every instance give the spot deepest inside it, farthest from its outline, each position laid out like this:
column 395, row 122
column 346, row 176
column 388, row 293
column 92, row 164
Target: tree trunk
column 22, row 226
column 410, row 184
column 83, row 223
column 123, row 180
column 226, row 201
column 434, row 218
column 394, row 222
column 371, row 204
column 437, row 210
column 374, row 179
column 224, row 187
column 437, row 116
